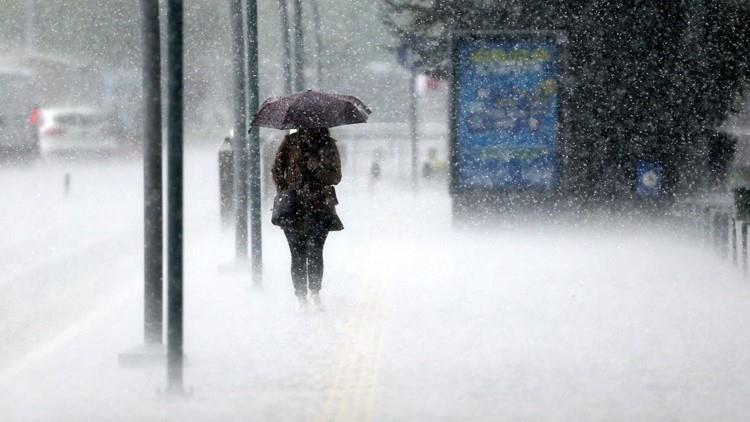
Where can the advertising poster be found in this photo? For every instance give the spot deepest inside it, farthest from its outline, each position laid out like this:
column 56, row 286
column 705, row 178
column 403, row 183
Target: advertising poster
column 506, row 108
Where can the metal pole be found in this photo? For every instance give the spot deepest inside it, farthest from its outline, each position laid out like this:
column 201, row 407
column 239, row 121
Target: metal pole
column 240, row 131
column 287, row 46
column 733, row 227
column 174, row 195
column 299, row 48
column 743, row 233
column 30, row 29
column 707, row 226
column 716, row 232
column 226, row 182
column 694, row 38
column 318, row 42
column 152, row 177
column 724, row 227
column 413, row 126
column 256, row 246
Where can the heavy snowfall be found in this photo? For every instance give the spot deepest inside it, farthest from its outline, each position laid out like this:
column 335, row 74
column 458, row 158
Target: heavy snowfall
column 608, row 304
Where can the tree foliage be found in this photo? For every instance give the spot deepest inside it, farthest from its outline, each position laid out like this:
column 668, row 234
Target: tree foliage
column 647, row 80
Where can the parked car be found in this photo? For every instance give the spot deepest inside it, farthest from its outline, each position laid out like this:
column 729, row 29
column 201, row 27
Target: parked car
column 17, row 136
column 75, row 131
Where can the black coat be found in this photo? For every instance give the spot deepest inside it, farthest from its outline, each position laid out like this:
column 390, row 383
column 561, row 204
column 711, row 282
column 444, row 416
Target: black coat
column 310, row 167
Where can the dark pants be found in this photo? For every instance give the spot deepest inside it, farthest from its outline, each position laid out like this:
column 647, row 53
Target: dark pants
column 307, row 259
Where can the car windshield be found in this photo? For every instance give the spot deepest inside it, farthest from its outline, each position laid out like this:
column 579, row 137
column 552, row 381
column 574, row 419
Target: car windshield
column 78, row 119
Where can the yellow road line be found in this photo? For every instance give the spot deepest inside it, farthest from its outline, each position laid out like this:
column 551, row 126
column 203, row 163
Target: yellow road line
column 352, row 394
column 371, row 399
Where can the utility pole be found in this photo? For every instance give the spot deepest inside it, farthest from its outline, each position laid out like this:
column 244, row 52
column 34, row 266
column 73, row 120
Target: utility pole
column 299, row 48
column 152, row 350
column 694, row 41
column 240, row 131
column 30, row 25
column 413, row 125
column 175, row 358
column 287, row 46
column 256, row 246
column 406, row 58
column 152, row 177
column 318, row 42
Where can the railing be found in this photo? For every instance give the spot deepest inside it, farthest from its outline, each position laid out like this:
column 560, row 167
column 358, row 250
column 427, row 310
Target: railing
column 721, row 230
column 370, row 154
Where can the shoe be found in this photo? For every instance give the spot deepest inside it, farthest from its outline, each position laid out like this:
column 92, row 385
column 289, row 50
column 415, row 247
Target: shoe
column 302, row 302
column 315, row 296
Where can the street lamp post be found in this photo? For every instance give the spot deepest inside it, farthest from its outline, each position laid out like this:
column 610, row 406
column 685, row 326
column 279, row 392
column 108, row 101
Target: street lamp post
column 256, row 246
column 152, row 351
column 299, row 48
column 240, row 132
column 413, row 121
column 318, row 42
column 152, row 178
column 287, row 46
column 175, row 196
column 30, row 25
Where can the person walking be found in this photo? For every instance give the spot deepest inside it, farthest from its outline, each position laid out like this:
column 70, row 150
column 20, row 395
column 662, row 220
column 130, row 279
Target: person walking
column 306, row 167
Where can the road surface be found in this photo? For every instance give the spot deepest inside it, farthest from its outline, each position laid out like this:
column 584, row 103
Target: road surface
column 546, row 321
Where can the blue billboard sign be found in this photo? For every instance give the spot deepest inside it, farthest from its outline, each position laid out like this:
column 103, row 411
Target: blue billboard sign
column 506, row 112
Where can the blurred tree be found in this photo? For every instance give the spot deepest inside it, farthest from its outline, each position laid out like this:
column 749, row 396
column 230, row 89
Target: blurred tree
column 649, row 80
column 106, row 34
column 103, row 31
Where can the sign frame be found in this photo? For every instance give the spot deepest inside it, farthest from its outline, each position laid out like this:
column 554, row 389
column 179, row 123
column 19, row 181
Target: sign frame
column 459, row 192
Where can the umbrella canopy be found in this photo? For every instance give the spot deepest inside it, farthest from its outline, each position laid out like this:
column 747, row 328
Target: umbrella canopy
column 311, row 109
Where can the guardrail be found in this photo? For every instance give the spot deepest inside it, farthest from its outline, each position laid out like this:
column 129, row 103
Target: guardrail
column 369, row 154
column 722, row 231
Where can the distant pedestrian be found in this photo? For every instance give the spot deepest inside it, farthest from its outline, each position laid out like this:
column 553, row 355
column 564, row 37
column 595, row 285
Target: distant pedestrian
column 306, row 166
column 375, row 169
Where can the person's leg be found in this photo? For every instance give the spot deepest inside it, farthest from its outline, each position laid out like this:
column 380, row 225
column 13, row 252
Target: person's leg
column 298, row 249
column 315, row 245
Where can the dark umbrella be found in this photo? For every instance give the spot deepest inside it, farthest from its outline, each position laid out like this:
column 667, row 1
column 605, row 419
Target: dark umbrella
column 311, row 109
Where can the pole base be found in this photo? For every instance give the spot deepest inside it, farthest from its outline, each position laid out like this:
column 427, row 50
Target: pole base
column 238, row 266
column 146, row 355
column 175, row 393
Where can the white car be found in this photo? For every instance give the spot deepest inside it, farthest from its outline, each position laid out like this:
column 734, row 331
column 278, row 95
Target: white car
column 73, row 131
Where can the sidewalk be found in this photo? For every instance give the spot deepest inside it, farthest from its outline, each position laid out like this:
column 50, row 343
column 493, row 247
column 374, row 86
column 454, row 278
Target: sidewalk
column 535, row 323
